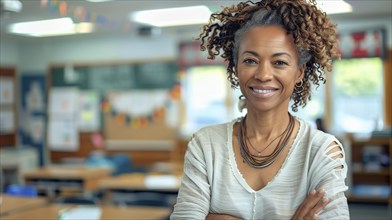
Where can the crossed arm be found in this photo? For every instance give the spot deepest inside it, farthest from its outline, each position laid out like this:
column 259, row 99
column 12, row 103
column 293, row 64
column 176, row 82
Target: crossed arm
column 313, row 204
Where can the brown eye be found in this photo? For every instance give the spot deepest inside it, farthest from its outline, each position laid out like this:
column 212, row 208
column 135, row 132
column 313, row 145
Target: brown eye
column 280, row 63
column 249, row 61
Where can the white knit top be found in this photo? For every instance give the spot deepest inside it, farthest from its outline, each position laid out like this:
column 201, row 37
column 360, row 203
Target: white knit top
column 212, row 183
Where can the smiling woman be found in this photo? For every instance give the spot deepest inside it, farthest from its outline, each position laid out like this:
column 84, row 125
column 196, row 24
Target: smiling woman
column 267, row 164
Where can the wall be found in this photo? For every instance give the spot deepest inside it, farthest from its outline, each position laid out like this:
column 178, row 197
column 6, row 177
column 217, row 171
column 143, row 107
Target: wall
column 9, row 54
column 36, row 55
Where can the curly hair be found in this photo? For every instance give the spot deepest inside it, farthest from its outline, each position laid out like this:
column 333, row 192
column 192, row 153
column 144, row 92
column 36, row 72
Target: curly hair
column 314, row 34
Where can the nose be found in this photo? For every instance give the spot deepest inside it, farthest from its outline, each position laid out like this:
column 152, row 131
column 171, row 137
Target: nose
column 263, row 72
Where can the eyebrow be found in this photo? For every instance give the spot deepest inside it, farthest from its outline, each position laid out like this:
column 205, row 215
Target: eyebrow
column 274, row 55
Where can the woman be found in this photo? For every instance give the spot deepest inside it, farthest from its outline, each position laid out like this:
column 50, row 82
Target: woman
column 268, row 164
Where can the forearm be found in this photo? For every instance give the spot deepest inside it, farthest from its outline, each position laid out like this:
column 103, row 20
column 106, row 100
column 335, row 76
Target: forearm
column 221, row 217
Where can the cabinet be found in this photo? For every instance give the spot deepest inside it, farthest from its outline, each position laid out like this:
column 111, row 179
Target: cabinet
column 14, row 161
column 371, row 169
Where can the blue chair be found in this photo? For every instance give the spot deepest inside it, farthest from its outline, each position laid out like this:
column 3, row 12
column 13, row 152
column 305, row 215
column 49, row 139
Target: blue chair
column 21, row 190
column 123, row 164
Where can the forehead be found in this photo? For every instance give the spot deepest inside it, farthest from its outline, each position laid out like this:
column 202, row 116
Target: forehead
column 272, row 38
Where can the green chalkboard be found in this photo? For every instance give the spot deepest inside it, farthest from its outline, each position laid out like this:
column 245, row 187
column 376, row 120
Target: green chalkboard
column 103, row 78
column 62, row 77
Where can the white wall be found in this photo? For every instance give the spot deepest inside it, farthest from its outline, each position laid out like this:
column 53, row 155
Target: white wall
column 37, row 56
column 9, row 54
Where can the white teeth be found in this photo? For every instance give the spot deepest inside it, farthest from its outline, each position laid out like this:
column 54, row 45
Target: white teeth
column 263, row 90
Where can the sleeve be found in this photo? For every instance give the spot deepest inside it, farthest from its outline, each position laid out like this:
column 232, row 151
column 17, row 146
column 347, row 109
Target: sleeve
column 329, row 171
column 193, row 200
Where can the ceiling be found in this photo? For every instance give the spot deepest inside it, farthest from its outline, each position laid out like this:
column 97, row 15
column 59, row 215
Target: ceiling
column 116, row 12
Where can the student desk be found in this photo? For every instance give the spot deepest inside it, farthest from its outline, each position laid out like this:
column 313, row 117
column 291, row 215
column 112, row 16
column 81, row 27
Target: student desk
column 140, row 181
column 107, row 212
column 62, row 178
column 10, row 204
column 116, row 187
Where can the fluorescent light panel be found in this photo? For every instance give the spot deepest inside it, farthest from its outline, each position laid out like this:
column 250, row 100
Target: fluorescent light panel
column 334, row 6
column 52, row 27
column 173, row 16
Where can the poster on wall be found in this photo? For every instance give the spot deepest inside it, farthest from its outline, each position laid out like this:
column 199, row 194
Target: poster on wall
column 63, row 101
column 6, row 90
column 6, row 122
column 63, row 126
column 32, row 123
column 63, row 134
column 362, row 44
column 89, row 113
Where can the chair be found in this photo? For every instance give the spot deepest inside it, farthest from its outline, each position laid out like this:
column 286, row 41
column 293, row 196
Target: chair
column 77, row 199
column 21, row 190
column 123, row 164
column 144, row 199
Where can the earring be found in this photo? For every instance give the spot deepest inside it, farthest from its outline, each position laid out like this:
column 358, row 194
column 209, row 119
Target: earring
column 241, row 103
column 299, row 87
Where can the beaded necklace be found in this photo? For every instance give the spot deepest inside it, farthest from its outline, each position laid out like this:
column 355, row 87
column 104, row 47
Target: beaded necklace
column 259, row 161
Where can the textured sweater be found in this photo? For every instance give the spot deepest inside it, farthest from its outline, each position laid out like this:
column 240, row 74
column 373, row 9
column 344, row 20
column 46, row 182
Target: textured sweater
column 212, row 183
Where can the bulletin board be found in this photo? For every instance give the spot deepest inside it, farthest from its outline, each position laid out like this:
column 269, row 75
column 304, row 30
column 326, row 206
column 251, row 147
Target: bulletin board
column 104, row 79
column 8, row 111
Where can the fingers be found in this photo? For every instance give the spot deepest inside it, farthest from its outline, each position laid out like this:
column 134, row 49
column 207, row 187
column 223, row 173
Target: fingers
column 311, row 206
column 313, row 214
column 316, row 203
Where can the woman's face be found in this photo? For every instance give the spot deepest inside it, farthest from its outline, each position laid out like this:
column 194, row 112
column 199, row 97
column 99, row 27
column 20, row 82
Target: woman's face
column 267, row 68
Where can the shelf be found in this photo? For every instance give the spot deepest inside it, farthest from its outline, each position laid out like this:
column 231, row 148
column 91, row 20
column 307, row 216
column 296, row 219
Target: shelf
column 371, row 179
column 369, row 199
column 372, row 141
column 381, row 172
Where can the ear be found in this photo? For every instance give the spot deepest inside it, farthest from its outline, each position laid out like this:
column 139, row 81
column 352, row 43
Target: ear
column 301, row 72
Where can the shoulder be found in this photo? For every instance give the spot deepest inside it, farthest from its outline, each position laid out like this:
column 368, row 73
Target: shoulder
column 209, row 140
column 213, row 133
column 315, row 138
column 322, row 146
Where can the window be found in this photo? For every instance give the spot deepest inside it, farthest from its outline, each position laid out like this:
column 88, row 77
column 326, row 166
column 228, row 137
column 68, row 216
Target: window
column 357, row 95
column 206, row 96
column 315, row 108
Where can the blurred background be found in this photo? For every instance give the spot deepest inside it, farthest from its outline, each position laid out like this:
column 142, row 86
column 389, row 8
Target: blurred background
column 121, row 85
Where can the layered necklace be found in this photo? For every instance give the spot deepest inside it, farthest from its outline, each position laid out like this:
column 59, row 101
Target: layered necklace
column 257, row 160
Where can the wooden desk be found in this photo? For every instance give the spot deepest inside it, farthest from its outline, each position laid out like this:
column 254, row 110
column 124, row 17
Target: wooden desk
column 60, row 178
column 139, row 181
column 107, row 212
column 117, row 189
column 11, row 204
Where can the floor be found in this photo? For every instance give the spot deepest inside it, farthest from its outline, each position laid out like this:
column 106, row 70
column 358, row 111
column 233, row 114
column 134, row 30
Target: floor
column 360, row 211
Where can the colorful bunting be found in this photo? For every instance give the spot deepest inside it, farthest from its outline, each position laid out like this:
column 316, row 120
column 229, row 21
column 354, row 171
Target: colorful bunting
column 80, row 14
column 156, row 115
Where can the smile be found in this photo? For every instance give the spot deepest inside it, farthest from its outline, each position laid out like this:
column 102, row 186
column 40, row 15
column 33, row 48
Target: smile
column 263, row 91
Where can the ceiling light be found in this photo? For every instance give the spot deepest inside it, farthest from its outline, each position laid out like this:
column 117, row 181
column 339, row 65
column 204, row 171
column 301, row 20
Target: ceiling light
column 173, row 16
column 53, row 27
column 334, row 6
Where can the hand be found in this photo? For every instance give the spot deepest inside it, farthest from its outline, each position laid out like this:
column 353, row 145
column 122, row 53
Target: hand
column 221, row 217
column 311, row 206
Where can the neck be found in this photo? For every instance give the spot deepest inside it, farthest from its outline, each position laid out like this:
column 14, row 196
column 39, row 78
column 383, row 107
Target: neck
column 266, row 127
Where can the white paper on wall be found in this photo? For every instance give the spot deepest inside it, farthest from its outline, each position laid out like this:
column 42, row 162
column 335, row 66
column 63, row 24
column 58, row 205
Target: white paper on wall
column 89, row 111
column 63, row 134
column 63, row 100
column 6, row 91
column 7, row 123
column 37, row 129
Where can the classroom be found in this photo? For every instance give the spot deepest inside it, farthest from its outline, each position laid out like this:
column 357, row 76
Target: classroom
column 95, row 122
